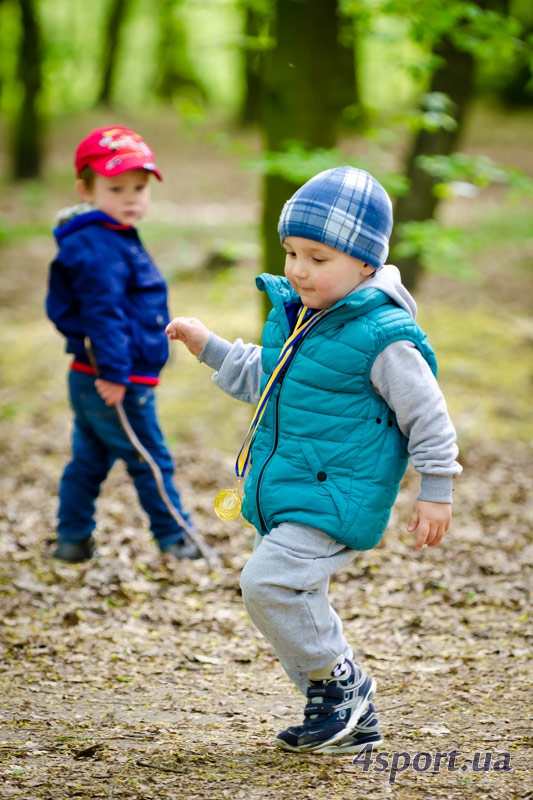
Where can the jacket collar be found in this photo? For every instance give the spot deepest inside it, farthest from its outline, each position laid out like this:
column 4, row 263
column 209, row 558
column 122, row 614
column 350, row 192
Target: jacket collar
column 84, row 219
column 283, row 297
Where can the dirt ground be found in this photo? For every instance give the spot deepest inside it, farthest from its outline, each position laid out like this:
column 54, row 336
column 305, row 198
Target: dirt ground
column 136, row 678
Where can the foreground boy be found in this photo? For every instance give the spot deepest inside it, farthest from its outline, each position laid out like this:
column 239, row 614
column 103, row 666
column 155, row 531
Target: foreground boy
column 348, row 387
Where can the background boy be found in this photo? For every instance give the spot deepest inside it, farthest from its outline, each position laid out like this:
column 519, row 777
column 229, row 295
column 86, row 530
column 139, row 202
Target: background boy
column 103, row 285
column 357, row 398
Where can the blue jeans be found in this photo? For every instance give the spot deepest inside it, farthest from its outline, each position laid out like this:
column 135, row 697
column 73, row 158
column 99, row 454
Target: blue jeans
column 97, row 442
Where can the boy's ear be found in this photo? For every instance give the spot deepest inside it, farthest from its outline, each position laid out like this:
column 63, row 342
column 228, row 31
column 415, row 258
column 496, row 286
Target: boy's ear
column 368, row 270
column 83, row 191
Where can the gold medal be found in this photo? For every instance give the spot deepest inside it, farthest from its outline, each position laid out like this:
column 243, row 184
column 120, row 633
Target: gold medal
column 228, row 504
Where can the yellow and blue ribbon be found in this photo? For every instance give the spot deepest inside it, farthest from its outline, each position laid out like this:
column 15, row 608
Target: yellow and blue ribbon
column 306, row 319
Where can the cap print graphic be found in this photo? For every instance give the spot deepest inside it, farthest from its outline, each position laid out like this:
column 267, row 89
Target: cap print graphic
column 113, row 150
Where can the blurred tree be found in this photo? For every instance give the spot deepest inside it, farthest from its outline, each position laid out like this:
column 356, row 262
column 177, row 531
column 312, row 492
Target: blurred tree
column 517, row 85
column 257, row 38
column 449, row 95
column 2, row 76
column 301, row 99
column 462, row 33
column 518, row 90
column 116, row 19
column 175, row 73
column 346, row 87
column 27, row 127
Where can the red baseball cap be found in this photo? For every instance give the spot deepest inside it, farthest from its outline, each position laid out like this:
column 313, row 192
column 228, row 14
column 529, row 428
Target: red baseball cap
column 113, row 150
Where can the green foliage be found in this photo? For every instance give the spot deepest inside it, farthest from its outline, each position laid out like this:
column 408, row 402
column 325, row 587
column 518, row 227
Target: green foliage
column 499, row 227
column 435, row 112
column 394, row 50
column 494, row 39
column 264, row 8
column 454, row 251
column 479, row 171
column 297, row 164
column 392, row 68
column 3, row 232
column 256, row 44
column 73, row 34
column 470, row 26
column 15, row 234
column 213, row 29
column 10, row 34
column 394, row 41
column 440, row 249
column 486, row 33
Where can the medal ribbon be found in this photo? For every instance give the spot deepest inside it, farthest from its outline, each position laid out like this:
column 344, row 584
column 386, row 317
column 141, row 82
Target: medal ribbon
column 306, row 319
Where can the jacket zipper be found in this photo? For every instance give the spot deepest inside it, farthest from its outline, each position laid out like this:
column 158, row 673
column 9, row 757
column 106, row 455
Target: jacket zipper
column 272, row 451
column 276, row 433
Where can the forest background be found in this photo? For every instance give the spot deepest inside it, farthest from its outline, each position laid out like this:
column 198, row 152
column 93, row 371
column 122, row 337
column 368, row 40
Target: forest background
column 133, row 677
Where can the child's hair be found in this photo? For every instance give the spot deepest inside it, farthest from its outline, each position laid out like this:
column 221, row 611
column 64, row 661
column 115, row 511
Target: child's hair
column 345, row 208
column 87, row 175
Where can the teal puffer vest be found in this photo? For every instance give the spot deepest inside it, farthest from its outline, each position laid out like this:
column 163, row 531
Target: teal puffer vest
column 328, row 452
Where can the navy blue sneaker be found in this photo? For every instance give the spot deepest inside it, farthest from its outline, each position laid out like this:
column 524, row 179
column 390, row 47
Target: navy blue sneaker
column 365, row 734
column 333, row 711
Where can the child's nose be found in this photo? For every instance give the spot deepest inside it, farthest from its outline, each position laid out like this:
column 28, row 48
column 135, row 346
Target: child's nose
column 299, row 267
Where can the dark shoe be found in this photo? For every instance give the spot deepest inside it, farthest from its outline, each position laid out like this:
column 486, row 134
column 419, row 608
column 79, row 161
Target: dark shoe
column 75, row 551
column 335, row 706
column 365, row 734
column 184, row 549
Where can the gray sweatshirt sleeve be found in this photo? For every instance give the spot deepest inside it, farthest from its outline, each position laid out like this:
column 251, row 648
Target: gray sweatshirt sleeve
column 401, row 375
column 237, row 366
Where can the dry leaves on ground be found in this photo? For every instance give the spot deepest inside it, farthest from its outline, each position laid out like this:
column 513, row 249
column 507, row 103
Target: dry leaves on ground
column 135, row 677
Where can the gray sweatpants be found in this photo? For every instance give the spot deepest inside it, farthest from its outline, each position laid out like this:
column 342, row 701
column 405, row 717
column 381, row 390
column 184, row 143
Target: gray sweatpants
column 285, row 591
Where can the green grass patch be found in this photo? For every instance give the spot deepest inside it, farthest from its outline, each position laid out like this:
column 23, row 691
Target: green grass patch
column 484, row 359
column 485, row 370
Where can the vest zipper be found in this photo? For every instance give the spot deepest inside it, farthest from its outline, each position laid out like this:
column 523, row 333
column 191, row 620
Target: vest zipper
column 276, row 433
column 272, row 451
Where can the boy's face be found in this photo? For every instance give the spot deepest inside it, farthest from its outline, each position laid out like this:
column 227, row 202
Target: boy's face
column 319, row 274
column 124, row 197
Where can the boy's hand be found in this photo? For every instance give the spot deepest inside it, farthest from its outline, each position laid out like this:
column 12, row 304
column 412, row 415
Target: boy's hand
column 190, row 331
column 432, row 521
column 111, row 393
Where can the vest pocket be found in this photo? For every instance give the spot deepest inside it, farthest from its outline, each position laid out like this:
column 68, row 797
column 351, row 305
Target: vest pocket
column 323, row 478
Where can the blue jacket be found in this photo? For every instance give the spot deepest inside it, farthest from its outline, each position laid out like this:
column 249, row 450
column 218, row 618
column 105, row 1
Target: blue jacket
column 104, row 285
column 328, row 452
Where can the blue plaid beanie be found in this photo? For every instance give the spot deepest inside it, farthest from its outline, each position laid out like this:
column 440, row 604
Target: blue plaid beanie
column 345, row 208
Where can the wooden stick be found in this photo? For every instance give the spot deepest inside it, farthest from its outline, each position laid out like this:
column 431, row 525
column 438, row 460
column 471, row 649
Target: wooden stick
column 212, row 557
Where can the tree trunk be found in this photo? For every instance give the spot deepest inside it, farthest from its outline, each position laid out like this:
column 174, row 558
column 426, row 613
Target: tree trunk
column 455, row 79
column 346, row 87
column 27, row 131
column 115, row 23
column 175, row 74
column 256, row 25
column 298, row 101
column 517, row 89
